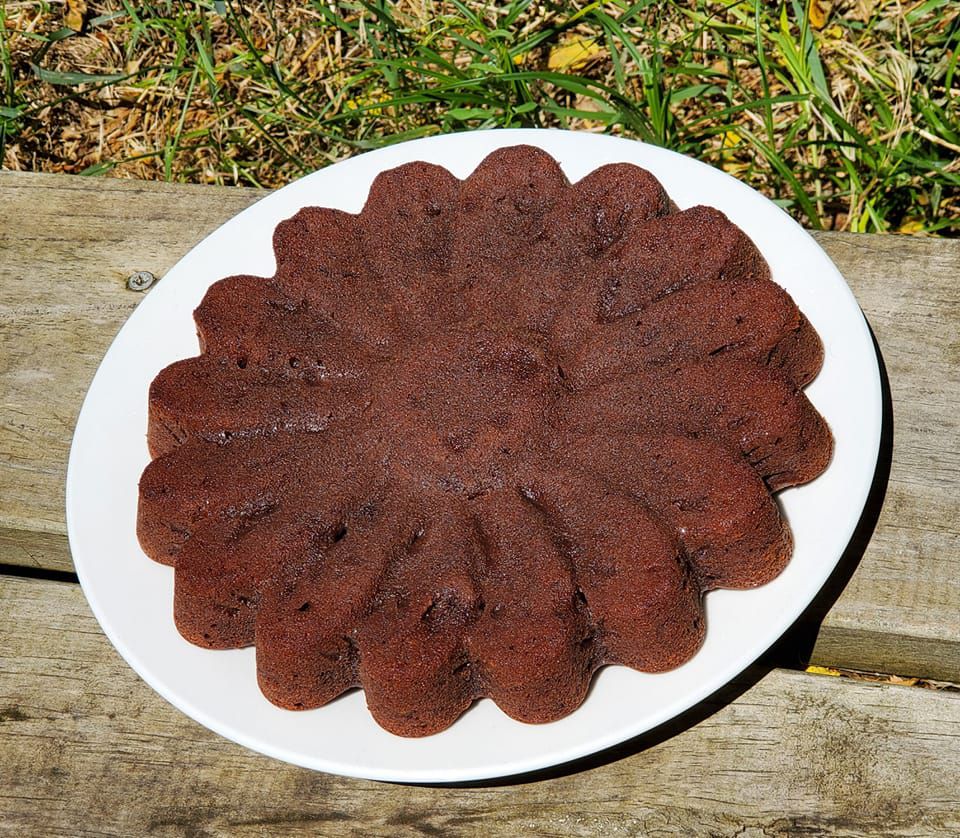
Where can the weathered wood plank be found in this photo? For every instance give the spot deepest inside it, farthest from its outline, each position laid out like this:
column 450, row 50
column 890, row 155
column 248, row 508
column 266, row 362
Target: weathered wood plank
column 35, row 550
column 900, row 611
column 62, row 299
column 67, row 246
column 87, row 749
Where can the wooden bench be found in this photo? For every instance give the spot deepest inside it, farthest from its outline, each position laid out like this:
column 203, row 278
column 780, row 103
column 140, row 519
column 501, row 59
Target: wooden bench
column 87, row 748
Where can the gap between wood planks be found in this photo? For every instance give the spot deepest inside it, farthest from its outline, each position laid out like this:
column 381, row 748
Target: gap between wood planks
column 38, row 573
column 881, row 678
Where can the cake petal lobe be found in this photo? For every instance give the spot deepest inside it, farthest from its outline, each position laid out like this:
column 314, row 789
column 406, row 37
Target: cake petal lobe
column 630, row 570
column 532, row 642
column 414, row 667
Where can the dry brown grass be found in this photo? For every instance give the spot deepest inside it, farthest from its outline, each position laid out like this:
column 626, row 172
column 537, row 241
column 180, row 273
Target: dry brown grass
column 852, row 125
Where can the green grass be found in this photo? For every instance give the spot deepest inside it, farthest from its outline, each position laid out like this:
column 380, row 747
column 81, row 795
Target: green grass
column 852, row 126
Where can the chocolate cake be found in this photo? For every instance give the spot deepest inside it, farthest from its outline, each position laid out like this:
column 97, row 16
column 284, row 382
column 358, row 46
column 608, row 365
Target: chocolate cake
column 480, row 440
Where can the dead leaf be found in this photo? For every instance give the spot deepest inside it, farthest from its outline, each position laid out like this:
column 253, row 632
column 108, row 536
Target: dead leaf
column 728, row 162
column 75, row 14
column 904, row 682
column 912, row 226
column 823, row 670
column 819, row 13
column 573, row 54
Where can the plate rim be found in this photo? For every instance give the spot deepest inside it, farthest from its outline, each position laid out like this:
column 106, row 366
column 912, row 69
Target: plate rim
column 442, row 774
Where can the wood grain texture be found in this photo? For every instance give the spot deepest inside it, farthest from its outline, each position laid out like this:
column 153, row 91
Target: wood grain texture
column 67, row 246
column 34, row 550
column 87, row 749
column 62, row 298
column 900, row 611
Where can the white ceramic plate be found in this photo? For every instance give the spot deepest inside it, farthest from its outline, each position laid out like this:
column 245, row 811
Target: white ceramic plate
column 132, row 596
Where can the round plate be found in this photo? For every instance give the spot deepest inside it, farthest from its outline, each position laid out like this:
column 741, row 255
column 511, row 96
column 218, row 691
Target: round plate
column 132, row 596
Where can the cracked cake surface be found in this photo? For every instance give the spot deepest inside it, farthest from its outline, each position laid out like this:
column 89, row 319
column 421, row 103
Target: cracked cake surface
column 479, row 440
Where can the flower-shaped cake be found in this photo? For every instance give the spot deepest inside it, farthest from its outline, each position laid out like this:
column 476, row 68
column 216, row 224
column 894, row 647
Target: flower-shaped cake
column 480, row 440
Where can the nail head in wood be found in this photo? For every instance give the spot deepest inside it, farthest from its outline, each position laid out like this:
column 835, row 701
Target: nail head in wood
column 140, row 280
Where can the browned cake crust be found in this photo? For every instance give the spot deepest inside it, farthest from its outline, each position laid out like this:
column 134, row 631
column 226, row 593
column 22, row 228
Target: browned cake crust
column 480, row 440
